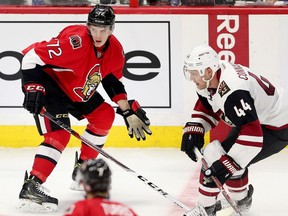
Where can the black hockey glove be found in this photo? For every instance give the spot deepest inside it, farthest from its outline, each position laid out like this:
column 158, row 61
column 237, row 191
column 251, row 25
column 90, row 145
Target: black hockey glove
column 193, row 137
column 34, row 98
column 136, row 120
column 222, row 169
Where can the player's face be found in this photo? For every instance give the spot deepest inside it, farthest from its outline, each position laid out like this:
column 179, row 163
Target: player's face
column 197, row 79
column 100, row 34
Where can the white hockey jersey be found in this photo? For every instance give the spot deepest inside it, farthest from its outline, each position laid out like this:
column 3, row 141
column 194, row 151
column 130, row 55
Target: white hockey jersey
column 245, row 100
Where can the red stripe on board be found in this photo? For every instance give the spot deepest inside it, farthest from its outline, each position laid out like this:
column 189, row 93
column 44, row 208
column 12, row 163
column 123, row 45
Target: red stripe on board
column 229, row 36
column 148, row 10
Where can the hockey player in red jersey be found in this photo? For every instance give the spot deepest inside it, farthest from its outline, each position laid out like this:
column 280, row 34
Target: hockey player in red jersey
column 95, row 176
column 254, row 109
column 62, row 76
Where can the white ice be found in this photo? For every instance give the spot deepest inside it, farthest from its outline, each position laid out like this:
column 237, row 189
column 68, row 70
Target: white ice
column 169, row 169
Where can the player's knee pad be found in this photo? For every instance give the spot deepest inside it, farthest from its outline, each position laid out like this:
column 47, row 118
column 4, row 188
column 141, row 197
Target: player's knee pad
column 239, row 180
column 101, row 119
column 95, row 139
column 58, row 139
column 213, row 151
column 86, row 151
column 238, row 184
column 240, row 174
column 207, row 192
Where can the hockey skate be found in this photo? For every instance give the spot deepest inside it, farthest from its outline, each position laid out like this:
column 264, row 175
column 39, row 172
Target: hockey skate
column 34, row 199
column 76, row 185
column 243, row 205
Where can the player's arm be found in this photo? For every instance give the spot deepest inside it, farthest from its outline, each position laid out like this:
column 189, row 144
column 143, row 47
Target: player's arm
column 37, row 57
column 134, row 116
column 203, row 120
column 240, row 109
column 204, row 114
column 31, row 78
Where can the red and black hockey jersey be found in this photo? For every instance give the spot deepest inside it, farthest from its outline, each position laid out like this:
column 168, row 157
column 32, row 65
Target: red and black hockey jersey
column 72, row 60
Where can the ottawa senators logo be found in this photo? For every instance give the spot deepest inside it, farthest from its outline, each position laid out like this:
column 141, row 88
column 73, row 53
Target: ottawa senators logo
column 92, row 81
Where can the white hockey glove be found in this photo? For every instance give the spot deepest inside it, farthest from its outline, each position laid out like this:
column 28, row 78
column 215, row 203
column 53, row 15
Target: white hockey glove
column 136, row 120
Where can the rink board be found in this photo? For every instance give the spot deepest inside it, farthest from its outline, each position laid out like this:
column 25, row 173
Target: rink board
column 27, row 136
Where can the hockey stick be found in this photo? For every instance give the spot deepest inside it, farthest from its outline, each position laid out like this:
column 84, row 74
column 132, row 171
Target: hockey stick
column 102, row 152
column 218, row 184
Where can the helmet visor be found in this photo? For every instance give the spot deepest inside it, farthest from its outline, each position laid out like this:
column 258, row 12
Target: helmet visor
column 186, row 73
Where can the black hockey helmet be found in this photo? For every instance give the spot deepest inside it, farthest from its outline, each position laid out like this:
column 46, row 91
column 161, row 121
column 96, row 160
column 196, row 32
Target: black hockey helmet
column 101, row 15
column 96, row 174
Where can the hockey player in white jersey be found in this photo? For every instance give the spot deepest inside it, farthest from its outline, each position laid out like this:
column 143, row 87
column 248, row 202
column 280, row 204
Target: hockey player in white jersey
column 257, row 113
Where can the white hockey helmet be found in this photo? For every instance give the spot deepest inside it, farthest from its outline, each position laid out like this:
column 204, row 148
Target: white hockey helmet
column 199, row 59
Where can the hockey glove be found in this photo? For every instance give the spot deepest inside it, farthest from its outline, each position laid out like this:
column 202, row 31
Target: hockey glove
column 193, row 137
column 222, row 169
column 34, row 97
column 136, row 120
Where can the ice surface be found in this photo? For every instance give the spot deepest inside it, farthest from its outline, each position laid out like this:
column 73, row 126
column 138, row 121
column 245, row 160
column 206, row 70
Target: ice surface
column 169, row 169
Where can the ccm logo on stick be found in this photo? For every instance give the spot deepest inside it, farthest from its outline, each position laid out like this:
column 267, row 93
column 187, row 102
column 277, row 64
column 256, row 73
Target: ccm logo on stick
column 152, row 185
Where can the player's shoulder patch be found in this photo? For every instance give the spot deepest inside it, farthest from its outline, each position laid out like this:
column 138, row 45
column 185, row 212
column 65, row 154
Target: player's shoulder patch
column 75, row 41
column 223, row 88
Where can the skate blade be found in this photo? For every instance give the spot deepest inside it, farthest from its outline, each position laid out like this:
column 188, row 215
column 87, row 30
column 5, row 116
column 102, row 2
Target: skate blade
column 76, row 186
column 30, row 206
